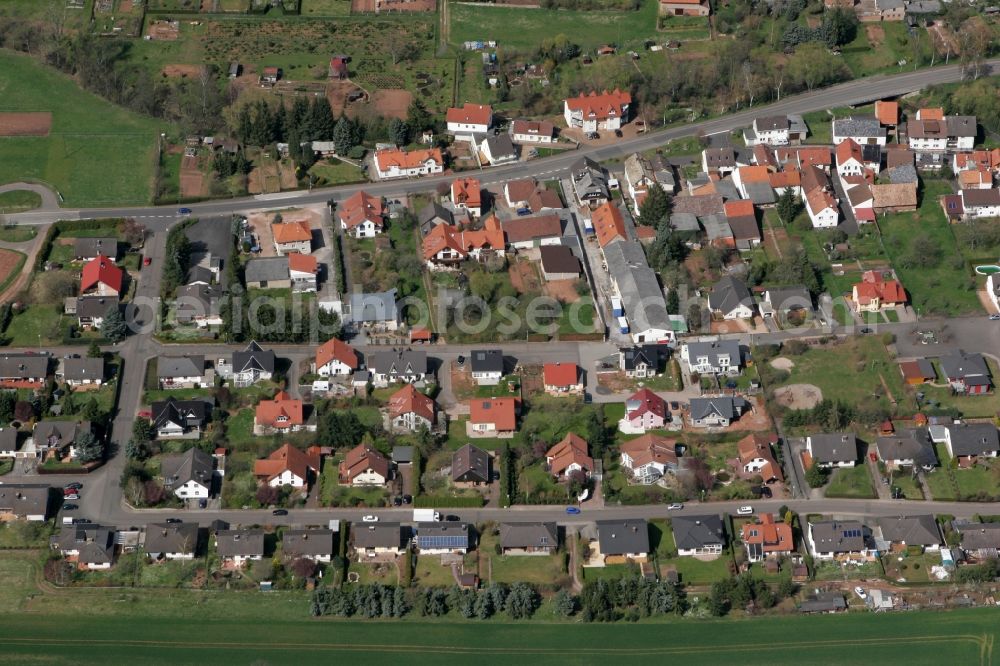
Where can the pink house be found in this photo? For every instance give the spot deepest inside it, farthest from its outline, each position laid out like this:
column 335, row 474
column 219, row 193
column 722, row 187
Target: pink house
column 644, row 411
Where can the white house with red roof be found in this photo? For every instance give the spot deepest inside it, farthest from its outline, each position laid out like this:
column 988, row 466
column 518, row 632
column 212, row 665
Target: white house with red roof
column 562, row 378
column 469, row 119
column 649, row 457
column 598, row 111
column 398, row 163
column 302, row 271
column 569, row 455
column 822, row 209
column 466, row 193
column 409, row 409
column 362, row 215
column 336, row 357
column 101, row 277
column 644, row 410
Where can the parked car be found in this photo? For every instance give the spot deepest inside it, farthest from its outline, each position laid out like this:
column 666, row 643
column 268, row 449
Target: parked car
column 369, row 519
column 676, row 506
column 146, row 261
column 74, row 496
column 572, row 510
column 76, row 485
column 860, row 591
column 70, row 507
column 280, row 512
column 70, row 491
column 865, row 331
column 407, row 499
column 183, row 211
column 618, row 133
column 995, row 317
column 745, row 510
column 397, row 500
column 460, row 360
column 452, row 518
column 173, row 521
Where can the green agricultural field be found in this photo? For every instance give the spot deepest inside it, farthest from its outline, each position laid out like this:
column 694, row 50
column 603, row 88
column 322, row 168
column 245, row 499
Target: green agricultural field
column 87, row 133
column 521, row 28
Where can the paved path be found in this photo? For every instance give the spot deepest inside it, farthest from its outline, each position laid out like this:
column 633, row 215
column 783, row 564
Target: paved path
column 50, row 201
column 30, row 249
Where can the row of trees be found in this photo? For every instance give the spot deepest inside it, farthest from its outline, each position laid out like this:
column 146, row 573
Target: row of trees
column 518, row 601
column 739, row 592
column 631, row 597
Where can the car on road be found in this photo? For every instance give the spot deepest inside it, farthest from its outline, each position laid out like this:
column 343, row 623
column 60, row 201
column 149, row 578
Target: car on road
column 183, row 211
column 676, row 506
column 407, row 499
column 73, row 496
column 81, row 521
column 280, row 512
column 369, row 519
column 860, row 591
column 995, row 317
column 173, row 521
column 76, row 485
column 397, row 500
column 460, row 360
column 572, row 510
column 146, row 261
column 70, row 507
column 745, row 510
column 865, row 331
column 452, row 518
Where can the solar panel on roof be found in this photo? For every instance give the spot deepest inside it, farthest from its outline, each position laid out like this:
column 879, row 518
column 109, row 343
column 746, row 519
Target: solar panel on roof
column 432, row 542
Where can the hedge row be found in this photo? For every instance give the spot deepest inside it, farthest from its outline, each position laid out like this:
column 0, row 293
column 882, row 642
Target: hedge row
column 434, row 501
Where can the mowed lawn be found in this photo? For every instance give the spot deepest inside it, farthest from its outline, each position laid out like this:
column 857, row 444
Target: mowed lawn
column 522, row 28
column 96, row 153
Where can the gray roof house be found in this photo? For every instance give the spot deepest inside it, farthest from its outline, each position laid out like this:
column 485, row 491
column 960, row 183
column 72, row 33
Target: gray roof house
column 589, row 182
column 267, row 273
column 824, row 602
column 699, row 535
column 403, row 365
column 188, row 474
column 92, row 545
column 486, row 365
column 781, row 300
column 971, row 440
column 198, row 302
column 376, row 308
column 627, row 537
column 829, row 538
column 240, row 545
column 180, row 369
column 642, row 297
column 907, row 447
column 967, row 373
column 470, row 465
column 24, row 501
column 18, row 368
column 83, row 370
column 980, row 540
column 731, row 299
column 85, row 249
column 316, row 545
column 858, row 127
column 8, row 442
column 177, row 418
column 536, row 538
column 58, row 435
column 253, row 363
column 839, row 449
column 379, row 537
column 717, row 356
column 718, row 411
column 919, row 530
column 432, row 215
column 171, row 541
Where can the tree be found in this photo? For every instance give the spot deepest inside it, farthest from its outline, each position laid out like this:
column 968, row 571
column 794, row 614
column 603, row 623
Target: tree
column 343, row 135
column 113, row 326
column 52, row 287
column 143, row 430
column 788, row 206
column 564, row 603
column 815, row 476
column 322, row 120
column 673, row 302
column 339, row 429
column 91, row 411
column 23, row 411
column 7, row 401
column 136, row 450
column 655, row 208
column 417, row 116
column 399, row 132
column 839, row 27
column 88, row 447
column 303, row 567
column 94, row 351
column 977, row 41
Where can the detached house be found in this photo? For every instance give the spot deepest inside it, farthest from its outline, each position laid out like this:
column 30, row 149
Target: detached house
column 968, row 442
column 902, row 532
column 486, row 366
column 100, row 276
column 466, row 193
column 471, row 467
column 730, row 299
column 188, row 475
column 447, row 246
column 28, row 502
column 171, row 541
column 179, row 419
column 373, row 539
column 716, row 412
column 280, row 415
column 840, row 540
column 569, row 455
column 315, row 545
column 182, row 372
column 757, row 457
column 978, row 203
column 767, row 538
column 699, row 535
column 492, row 417
column 529, row 538
column 23, row 370
column 397, row 163
column 641, row 361
column 860, row 129
column 363, row 466
column 336, row 357
column 362, row 215
column 874, row 292
column 623, row 540
column 237, row 547
column 252, row 365
column 594, row 112
column 720, row 357
column 89, row 545
column 391, row 367
column 644, row 410
column 968, row 374
column 90, row 311
column 907, row 448
column 287, row 466
column 649, row 457
column 980, row 541
column 292, row 237
column 88, row 249
column 468, row 120
column 442, row 538
column 853, row 159
column 562, row 379
column 833, row 450
column 83, row 372
column 411, row 410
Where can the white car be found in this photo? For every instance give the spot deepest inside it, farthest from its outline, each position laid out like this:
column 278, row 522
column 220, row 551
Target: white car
column 860, row 591
column 676, row 506
column 369, row 519
column 745, row 510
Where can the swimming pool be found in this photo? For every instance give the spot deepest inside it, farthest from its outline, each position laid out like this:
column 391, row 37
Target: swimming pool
column 988, row 269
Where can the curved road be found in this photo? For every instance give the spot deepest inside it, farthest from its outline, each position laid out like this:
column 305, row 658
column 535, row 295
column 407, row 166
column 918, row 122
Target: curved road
column 844, row 94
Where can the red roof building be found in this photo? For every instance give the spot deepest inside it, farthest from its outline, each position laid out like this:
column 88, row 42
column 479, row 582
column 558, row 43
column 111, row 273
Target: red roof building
column 569, row 455
column 336, row 357
column 493, row 415
column 282, row 413
column 875, row 292
column 767, row 538
column 607, row 110
column 363, row 465
column 101, row 276
column 466, row 193
column 408, row 400
column 470, row 117
column 446, row 244
column 608, row 223
column 560, row 378
column 287, row 466
column 361, row 214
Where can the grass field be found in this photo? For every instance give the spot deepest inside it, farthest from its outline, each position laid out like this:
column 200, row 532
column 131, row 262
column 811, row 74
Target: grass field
column 19, row 200
column 86, row 131
column 170, row 626
column 853, row 482
column 520, row 28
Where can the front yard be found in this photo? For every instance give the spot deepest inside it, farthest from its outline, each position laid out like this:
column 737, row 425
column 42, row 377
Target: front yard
column 691, row 570
column 851, row 482
column 537, row 569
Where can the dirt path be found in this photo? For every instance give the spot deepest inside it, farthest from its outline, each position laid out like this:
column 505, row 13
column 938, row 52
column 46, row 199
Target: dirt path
column 32, row 252
column 888, row 393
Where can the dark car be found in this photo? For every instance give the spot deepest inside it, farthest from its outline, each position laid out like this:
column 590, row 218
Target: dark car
column 865, row 331
column 460, row 360
column 183, row 211
column 397, row 500
column 452, row 518
column 280, row 512
column 173, row 521
column 618, row 133
column 76, row 485
column 70, row 507
column 587, row 398
column 407, row 499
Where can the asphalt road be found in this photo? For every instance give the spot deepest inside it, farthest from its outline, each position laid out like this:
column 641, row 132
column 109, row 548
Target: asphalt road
column 852, row 92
